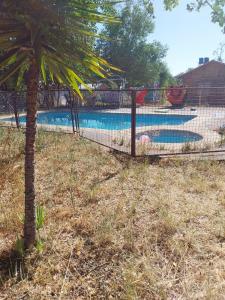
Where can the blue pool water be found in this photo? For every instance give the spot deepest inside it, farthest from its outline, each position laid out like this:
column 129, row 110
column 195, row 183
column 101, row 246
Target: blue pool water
column 109, row 121
column 171, row 136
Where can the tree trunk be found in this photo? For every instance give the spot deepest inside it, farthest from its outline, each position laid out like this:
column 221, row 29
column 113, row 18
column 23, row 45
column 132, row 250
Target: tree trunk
column 31, row 104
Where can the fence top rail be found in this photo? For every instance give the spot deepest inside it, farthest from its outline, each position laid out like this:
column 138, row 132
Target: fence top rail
column 122, row 90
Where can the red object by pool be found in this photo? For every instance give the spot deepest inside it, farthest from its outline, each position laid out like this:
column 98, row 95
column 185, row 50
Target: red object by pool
column 140, row 97
column 175, row 95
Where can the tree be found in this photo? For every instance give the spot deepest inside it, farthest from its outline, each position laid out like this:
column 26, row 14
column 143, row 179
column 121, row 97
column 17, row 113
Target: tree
column 219, row 52
column 46, row 36
column 217, row 7
column 165, row 77
column 128, row 48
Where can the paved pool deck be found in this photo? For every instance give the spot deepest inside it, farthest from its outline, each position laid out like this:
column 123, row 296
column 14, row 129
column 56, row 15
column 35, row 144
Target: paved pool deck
column 207, row 121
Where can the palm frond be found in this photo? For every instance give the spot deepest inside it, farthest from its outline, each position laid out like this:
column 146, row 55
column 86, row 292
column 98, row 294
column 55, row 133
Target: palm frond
column 57, row 34
column 13, row 69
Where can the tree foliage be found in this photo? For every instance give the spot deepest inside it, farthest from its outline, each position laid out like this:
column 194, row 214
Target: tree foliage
column 217, row 7
column 219, row 52
column 128, row 48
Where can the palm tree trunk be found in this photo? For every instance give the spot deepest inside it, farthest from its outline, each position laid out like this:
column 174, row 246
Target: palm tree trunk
column 32, row 90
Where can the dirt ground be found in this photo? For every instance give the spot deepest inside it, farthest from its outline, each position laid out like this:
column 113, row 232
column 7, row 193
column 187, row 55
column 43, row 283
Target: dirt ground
column 115, row 228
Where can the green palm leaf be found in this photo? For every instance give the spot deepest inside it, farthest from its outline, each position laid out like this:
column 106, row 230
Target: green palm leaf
column 57, row 34
column 13, row 69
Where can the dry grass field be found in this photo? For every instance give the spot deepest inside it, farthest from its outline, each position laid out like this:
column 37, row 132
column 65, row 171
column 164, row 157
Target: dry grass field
column 115, row 228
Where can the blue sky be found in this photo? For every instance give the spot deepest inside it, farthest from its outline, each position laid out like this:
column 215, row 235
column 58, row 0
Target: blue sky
column 187, row 35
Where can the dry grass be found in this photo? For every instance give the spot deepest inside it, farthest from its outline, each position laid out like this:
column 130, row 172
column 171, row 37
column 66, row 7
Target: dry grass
column 115, row 228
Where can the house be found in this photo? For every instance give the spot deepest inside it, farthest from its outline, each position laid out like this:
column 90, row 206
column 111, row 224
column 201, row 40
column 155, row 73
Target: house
column 205, row 84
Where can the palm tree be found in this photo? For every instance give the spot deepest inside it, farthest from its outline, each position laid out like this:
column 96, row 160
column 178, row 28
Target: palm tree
column 40, row 37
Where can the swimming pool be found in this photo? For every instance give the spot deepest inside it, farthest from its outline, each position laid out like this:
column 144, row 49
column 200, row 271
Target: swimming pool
column 108, row 121
column 170, row 136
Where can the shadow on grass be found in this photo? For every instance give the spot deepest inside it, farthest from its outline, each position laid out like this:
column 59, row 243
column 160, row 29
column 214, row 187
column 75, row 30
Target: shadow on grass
column 125, row 159
column 12, row 266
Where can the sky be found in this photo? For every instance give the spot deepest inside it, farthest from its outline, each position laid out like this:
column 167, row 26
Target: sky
column 188, row 35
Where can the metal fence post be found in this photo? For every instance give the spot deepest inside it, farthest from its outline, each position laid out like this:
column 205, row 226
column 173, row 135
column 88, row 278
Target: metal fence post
column 75, row 112
column 133, row 124
column 14, row 97
column 71, row 111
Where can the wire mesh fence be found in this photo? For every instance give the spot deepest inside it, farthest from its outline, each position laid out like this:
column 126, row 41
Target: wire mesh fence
column 135, row 121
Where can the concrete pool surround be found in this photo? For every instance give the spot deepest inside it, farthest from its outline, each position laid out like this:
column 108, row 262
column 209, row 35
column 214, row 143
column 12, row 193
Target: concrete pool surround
column 206, row 122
